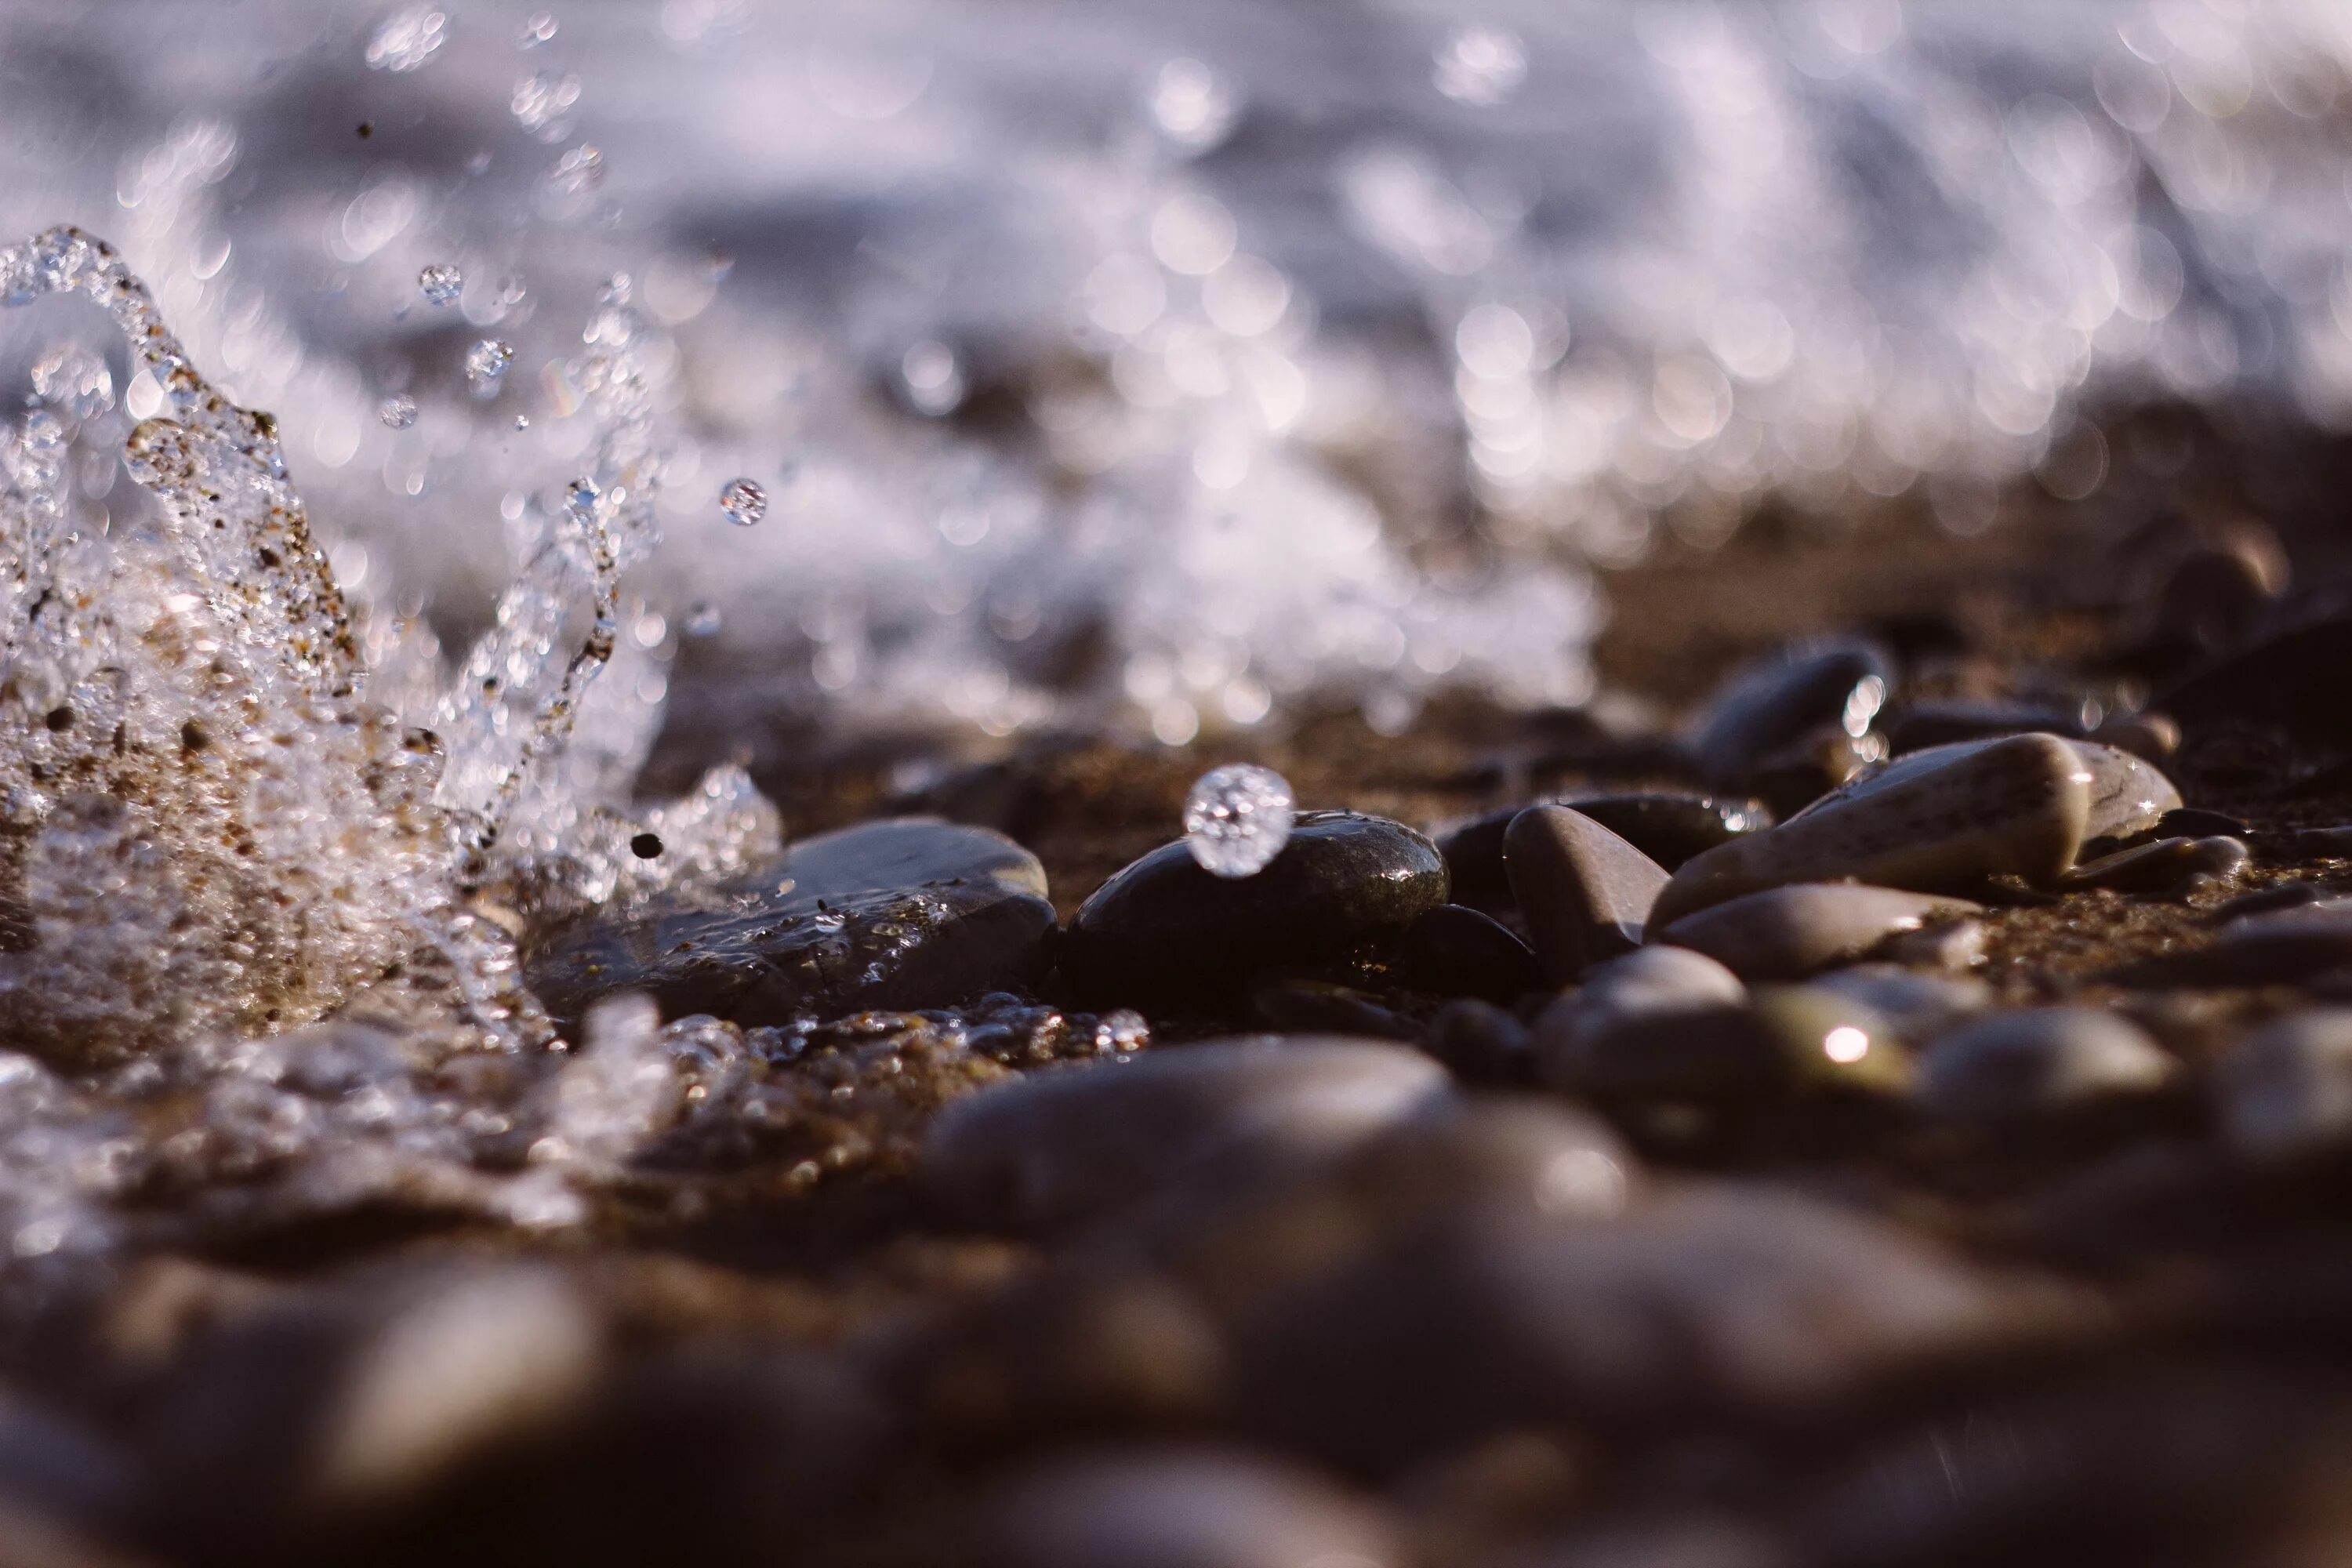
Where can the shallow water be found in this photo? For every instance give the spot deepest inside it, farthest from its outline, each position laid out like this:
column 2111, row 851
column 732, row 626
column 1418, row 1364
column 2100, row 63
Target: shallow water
column 1174, row 359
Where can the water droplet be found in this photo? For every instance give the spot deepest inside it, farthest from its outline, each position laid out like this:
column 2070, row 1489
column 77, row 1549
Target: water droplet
column 932, row 377
column 743, row 501
column 542, row 102
column 703, row 619
column 1193, row 108
column 441, row 282
column 398, row 412
column 75, row 381
column 522, row 421
column 538, row 29
column 1480, row 65
column 486, row 366
column 1238, row 819
column 580, row 497
column 407, row 40
column 578, row 172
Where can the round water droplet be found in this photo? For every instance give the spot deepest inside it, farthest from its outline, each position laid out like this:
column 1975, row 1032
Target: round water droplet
column 522, row 421
column 743, row 501
column 580, row 497
column 486, row 366
column 1238, row 819
column 579, row 171
column 441, row 282
column 538, row 29
column 398, row 412
column 703, row 619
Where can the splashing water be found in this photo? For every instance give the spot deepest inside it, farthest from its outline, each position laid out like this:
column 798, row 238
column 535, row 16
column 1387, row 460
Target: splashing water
column 1237, row 818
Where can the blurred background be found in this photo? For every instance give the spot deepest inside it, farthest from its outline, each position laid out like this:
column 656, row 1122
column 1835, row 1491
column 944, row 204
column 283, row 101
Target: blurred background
column 1178, row 364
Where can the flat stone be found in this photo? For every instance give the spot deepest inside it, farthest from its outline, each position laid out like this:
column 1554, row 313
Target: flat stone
column 2008, row 1065
column 1787, row 934
column 2127, row 794
column 1929, row 824
column 902, row 915
column 1710, row 1295
column 1771, row 706
column 1457, row 952
column 1175, row 1508
column 1669, row 828
column 1164, row 930
column 2273, row 947
column 1585, row 891
column 1061, row 1146
column 2287, row 1088
column 2164, row 866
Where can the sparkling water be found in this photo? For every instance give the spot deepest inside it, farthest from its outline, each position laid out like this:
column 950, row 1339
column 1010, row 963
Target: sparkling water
column 1237, row 818
column 440, row 282
column 744, row 502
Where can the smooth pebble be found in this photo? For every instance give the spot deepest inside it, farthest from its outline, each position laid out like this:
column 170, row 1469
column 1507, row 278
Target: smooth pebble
column 2008, row 1066
column 1787, row 934
column 1584, row 891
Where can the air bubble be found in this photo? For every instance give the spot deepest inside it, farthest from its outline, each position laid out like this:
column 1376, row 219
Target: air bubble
column 1238, row 819
column 441, row 282
column 743, row 501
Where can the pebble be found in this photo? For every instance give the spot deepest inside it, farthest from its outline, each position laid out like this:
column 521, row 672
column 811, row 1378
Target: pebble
column 2008, row 1066
column 1457, row 952
column 1711, row 1295
column 1771, row 706
column 1061, row 1146
column 1165, row 929
column 1176, row 1508
column 1662, row 1020
column 2292, row 680
column 1585, row 892
column 1826, row 1040
column 1787, row 934
column 2167, row 865
column 1950, row 944
column 1917, row 1004
column 1918, row 726
column 1480, row 1043
column 2193, row 822
column 1937, row 822
column 2274, row 947
column 898, row 915
column 2287, row 1088
column 1321, row 1008
column 1668, row 828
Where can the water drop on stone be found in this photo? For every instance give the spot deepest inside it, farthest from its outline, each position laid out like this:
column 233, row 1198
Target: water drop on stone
column 1238, row 819
column 486, row 366
column 441, row 282
column 743, row 501
column 398, row 412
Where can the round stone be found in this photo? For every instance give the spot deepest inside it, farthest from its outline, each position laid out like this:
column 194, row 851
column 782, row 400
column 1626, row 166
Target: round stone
column 1165, row 929
column 2288, row 1089
column 902, row 914
column 2008, row 1065
column 1771, row 707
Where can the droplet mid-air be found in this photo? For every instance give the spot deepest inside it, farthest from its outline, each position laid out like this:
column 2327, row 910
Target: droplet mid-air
column 441, row 282
column 1238, row 819
column 486, row 366
column 743, row 501
column 398, row 412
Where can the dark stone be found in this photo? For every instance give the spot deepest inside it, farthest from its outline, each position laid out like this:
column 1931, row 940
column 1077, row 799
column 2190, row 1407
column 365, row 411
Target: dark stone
column 2191, row 822
column 899, row 915
column 1164, row 930
column 1456, row 951
column 1480, row 1044
column 1585, row 891
column 2276, row 947
column 1320, row 1007
column 2294, row 681
column 1668, row 828
column 1770, row 708
column 1922, row 724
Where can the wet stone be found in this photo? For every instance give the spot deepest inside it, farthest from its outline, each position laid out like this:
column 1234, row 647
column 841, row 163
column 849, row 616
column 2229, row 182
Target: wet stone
column 1772, row 707
column 1322, row 1007
column 1948, row 944
column 2008, row 1066
column 2287, row 1088
column 1787, row 934
column 1662, row 1021
column 2166, row 866
column 1710, row 1295
column 1457, row 952
column 1165, row 929
column 897, row 915
column 1825, row 1041
column 1668, row 828
column 1585, row 892
column 1064, row 1145
column 1917, row 1004
column 1939, row 821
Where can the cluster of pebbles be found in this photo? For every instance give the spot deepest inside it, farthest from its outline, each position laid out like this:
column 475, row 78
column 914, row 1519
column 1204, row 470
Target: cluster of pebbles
column 1901, row 1129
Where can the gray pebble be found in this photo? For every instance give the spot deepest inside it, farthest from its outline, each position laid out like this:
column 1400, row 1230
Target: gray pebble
column 1068, row 1144
column 2164, row 866
column 1918, row 1004
column 1658, row 992
column 1585, row 891
column 1927, row 823
column 1947, row 945
column 1179, row 1508
column 1786, row 934
column 2011, row 1065
column 2273, row 947
column 2288, row 1088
